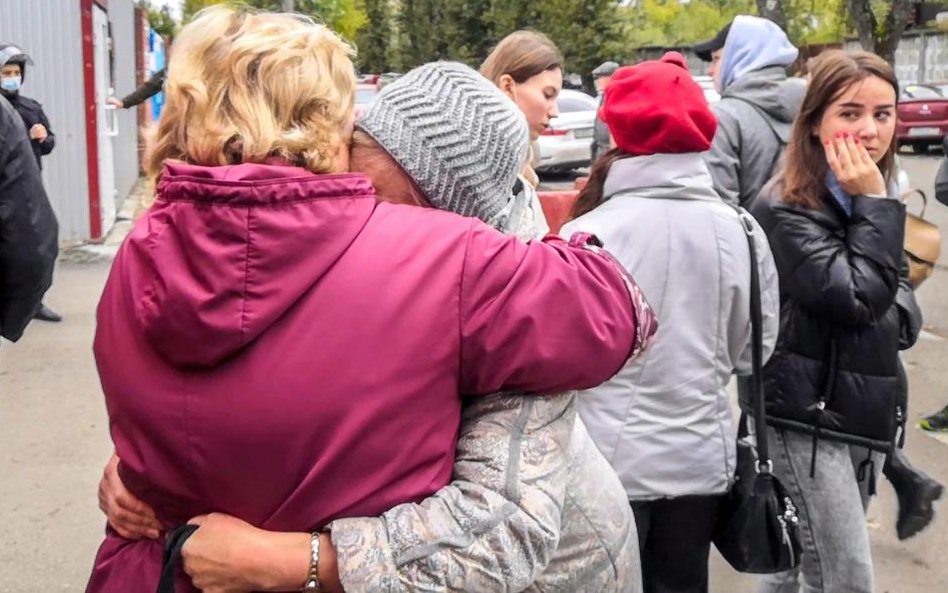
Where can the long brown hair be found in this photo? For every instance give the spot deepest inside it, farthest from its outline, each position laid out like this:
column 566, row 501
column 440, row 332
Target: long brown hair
column 522, row 55
column 803, row 177
column 591, row 196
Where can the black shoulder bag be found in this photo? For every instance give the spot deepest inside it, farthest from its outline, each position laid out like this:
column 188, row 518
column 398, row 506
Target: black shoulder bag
column 756, row 530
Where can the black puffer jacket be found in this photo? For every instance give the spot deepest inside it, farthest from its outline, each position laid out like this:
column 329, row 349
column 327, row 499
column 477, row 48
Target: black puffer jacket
column 31, row 112
column 846, row 309
column 28, row 231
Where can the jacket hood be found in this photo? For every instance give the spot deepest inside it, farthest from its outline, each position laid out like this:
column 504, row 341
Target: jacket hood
column 754, row 43
column 666, row 176
column 225, row 251
column 771, row 91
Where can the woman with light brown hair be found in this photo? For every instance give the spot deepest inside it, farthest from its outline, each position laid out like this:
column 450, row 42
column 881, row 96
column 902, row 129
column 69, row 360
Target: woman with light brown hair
column 528, row 68
column 277, row 345
column 834, row 385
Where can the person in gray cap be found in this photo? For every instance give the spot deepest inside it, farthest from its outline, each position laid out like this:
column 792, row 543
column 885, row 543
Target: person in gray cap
column 602, row 75
column 533, row 505
column 711, row 51
column 757, row 107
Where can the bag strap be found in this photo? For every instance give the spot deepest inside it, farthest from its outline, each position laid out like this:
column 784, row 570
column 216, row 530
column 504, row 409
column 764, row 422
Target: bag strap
column 764, row 463
column 919, row 192
column 174, row 542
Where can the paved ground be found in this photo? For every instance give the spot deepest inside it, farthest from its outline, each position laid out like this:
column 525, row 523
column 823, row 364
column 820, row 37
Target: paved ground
column 53, row 435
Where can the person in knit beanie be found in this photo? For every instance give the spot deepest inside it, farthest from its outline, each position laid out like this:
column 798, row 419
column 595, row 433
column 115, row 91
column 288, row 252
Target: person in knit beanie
column 461, row 142
column 456, row 135
column 664, row 420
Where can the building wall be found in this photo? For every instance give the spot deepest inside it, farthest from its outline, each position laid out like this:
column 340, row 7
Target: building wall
column 920, row 57
column 50, row 32
column 122, row 17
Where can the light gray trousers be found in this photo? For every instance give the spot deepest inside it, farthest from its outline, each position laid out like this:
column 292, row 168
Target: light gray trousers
column 832, row 504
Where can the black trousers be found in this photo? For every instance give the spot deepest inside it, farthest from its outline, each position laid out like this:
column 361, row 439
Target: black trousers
column 675, row 541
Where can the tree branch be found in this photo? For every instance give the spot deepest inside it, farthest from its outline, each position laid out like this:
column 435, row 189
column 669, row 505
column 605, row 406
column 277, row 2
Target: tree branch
column 887, row 39
column 860, row 11
column 773, row 10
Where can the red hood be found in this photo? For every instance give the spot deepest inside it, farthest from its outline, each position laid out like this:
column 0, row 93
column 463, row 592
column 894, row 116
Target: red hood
column 225, row 251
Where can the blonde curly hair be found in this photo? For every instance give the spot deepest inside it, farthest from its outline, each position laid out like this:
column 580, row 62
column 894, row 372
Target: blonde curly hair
column 244, row 86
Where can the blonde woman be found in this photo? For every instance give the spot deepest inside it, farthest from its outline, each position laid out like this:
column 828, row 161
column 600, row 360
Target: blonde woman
column 291, row 350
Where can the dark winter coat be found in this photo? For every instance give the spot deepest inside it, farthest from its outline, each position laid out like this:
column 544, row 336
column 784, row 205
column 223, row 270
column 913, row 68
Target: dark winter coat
column 32, row 113
column 28, row 230
column 846, row 310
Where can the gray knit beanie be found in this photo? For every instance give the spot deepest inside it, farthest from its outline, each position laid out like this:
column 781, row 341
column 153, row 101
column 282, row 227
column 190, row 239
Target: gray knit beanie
column 457, row 136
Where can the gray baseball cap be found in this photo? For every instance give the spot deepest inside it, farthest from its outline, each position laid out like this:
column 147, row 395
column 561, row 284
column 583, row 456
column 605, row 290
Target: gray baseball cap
column 605, row 69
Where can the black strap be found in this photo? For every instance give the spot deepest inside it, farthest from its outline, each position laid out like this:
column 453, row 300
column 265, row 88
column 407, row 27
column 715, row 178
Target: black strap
column 757, row 348
column 172, row 557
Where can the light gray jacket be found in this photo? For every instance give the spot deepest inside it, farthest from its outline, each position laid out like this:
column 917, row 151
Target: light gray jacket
column 755, row 118
column 664, row 421
column 532, row 506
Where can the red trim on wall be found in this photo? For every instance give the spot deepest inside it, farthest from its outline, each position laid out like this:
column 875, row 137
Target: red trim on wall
column 92, row 123
column 141, row 51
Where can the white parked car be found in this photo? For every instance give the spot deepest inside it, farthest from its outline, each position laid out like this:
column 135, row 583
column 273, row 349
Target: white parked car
column 567, row 143
column 707, row 85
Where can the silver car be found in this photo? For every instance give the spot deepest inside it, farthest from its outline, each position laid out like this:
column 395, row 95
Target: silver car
column 567, row 143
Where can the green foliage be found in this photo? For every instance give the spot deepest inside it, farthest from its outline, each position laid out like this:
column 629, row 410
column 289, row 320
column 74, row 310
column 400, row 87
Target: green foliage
column 343, row 16
column 817, row 21
column 159, row 19
column 373, row 38
column 670, row 23
column 420, row 39
column 401, row 34
column 587, row 32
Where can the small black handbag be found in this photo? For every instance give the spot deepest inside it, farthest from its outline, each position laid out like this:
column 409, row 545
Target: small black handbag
column 757, row 526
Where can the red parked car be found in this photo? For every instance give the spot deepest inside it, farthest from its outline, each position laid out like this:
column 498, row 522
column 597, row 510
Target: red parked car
column 923, row 116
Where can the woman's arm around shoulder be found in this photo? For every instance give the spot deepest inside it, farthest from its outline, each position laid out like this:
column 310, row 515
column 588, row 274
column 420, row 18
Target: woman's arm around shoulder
column 546, row 316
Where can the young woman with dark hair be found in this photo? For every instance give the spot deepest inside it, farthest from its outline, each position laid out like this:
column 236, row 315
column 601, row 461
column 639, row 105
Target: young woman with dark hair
column 835, row 388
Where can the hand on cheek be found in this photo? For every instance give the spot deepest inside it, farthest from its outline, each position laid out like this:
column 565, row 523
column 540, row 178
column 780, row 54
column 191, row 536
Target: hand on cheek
column 852, row 165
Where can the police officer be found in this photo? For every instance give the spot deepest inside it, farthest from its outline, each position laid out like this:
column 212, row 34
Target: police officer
column 28, row 233
column 13, row 62
column 602, row 75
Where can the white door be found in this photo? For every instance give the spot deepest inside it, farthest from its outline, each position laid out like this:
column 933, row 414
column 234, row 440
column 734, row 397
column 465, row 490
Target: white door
column 107, row 123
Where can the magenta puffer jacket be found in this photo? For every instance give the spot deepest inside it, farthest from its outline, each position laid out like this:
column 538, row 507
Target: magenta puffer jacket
column 283, row 347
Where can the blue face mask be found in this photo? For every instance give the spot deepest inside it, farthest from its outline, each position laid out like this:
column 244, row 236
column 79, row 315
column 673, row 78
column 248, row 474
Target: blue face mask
column 11, row 84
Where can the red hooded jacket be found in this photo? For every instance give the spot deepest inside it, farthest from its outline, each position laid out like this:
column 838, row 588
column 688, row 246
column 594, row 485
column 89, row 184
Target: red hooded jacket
column 282, row 347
